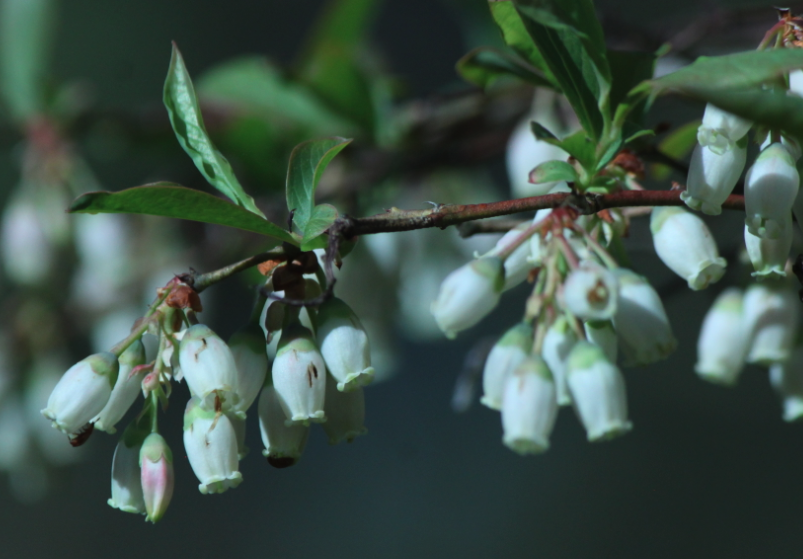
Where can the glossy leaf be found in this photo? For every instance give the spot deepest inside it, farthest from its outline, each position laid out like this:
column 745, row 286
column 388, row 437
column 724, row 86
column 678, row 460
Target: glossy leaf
column 323, row 216
column 188, row 124
column 551, row 171
column 579, row 146
column 26, row 33
column 516, row 36
column 307, row 163
column 484, row 65
column 172, row 200
column 331, row 64
column 573, row 68
column 729, row 72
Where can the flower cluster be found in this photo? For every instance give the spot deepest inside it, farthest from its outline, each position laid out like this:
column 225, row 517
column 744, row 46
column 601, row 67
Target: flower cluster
column 321, row 361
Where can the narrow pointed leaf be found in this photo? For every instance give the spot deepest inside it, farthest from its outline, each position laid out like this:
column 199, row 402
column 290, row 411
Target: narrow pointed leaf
column 187, row 121
column 484, row 65
column 172, row 200
column 516, row 36
column 307, row 163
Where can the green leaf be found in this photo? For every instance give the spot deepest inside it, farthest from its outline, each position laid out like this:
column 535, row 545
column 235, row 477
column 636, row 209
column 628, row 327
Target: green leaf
column 733, row 71
column 550, row 171
column 573, row 68
column 253, row 84
column 331, row 64
column 323, row 216
column 579, row 146
column 639, row 134
column 307, row 163
column 516, row 36
column 172, row 200
column 484, row 65
column 26, row 33
column 540, row 132
column 185, row 117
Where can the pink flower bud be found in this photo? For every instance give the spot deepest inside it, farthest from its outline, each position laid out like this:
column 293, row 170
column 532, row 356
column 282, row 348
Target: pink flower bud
column 156, row 462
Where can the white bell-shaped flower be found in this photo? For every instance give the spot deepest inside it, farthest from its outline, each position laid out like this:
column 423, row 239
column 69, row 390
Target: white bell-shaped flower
column 720, row 130
column 590, row 292
column 771, row 186
column 248, row 349
column 529, row 407
column 558, row 343
column 796, row 82
column 598, row 392
column 645, row 335
column 156, row 465
column 508, row 353
column 82, row 392
column 468, row 294
column 722, row 345
column 787, row 379
column 126, row 474
column 345, row 413
column 299, row 376
column 712, row 177
column 517, row 264
column 344, row 345
column 284, row 443
column 684, row 243
column 208, row 366
column 769, row 255
column 602, row 334
column 125, row 390
column 211, row 446
column 771, row 315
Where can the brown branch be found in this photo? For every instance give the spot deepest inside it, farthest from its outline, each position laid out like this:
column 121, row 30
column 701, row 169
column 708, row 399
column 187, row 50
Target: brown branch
column 445, row 215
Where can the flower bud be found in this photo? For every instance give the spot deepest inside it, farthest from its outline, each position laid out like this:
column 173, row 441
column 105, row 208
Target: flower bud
column 156, row 463
column 345, row 413
column 468, row 294
column 211, row 446
column 787, row 379
column 126, row 388
column 598, row 392
column 684, row 243
column 208, row 366
column 645, row 335
column 344, row 345
column 591, row 292
column 82, row 392
column 518, row 263
column 126, row 473
column 771, row 320
column 248, row 349
column 720, row 129
column 283, row 443
column 771, row 186
column 558, row 343
column 299, row 376
column 769, row 255
column 602, row 334
column 721, row 348
column 712, row 177
column 529, row 407
column 507, row 354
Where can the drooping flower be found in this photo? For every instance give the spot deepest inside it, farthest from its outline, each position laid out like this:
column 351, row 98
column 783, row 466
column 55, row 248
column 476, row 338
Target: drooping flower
column 712, row 177
column 722, row 345
column 82, row 392
column 126, row 473
column 284, row 443
column 598, row 392
column 468, row 294
column 126, row 388
column 156, row 463
column 211, row 446
column 299, row 376
column 720, row 130
column 558, row 343
column 769, row 255
column 770, row 314
column 591, row 292
column 771, row 186
column 344, row 345
column 345, row 414
column 519, row 263
column 529, row 407
column 248, row 349
column 208, row 366
column 684, row 243
column 645, row 335
column 507, row 354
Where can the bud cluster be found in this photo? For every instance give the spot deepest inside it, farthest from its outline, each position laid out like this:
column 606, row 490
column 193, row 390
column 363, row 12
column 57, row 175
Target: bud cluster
column 321, row 361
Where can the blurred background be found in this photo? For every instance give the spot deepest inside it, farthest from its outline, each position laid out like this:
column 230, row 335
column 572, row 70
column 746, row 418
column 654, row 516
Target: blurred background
column 706, row 472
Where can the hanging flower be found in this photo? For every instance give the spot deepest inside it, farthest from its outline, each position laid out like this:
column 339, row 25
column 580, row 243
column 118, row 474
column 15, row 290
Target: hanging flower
column 771, row 186
column 156, row 463
column 558, row 343
column 721, row 347
column 507, row 354
column 126, row 388
column 529, row 407
column 344, row 345
column 211, row 445
column 591, row 292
